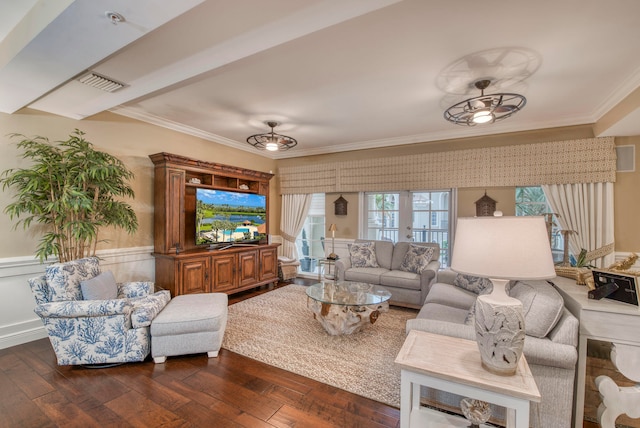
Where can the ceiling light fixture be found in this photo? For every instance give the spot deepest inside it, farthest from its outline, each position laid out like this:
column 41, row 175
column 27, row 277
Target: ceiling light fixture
column 485, row 108
column 271, row 141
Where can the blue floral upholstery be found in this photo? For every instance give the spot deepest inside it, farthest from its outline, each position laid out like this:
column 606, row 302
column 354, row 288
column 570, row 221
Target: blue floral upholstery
column 64, row 278
column 95, row 331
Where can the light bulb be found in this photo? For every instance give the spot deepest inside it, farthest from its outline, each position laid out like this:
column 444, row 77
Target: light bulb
column 271, row 146
column 482, row 116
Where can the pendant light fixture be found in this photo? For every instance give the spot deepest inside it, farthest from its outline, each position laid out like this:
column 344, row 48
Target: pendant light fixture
column 271, row 141
column 485, row 108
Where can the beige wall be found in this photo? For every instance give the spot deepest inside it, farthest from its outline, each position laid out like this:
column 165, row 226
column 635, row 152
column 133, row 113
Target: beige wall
column 504, row 196
column 347, row 224
column 132, row 142
column 627, row 202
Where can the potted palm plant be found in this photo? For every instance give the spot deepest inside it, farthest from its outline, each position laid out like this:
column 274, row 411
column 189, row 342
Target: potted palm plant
column 71, row 191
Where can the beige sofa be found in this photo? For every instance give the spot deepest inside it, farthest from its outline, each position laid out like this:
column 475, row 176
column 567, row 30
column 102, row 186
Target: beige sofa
column 550, row 342
column 408, row 285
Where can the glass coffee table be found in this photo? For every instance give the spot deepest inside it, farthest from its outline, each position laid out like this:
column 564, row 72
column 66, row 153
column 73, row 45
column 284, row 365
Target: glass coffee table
column 346, row 307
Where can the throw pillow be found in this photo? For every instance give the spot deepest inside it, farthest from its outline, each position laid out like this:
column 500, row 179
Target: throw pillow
column 542, row 305
column 475, row 284
column 64, row 278
column 471, row 316
column 101, row 287
column 417, row 258
column 363, row 254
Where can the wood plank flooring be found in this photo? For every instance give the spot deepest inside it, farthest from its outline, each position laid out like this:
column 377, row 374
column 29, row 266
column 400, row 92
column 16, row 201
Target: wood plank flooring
column 188, row 391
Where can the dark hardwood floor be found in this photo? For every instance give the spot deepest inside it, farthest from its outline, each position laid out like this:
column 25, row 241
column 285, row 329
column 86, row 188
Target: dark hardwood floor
column 187, row 391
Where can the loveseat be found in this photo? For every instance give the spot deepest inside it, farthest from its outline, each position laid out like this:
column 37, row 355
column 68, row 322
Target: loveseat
column 549, row 347
column 406, row 269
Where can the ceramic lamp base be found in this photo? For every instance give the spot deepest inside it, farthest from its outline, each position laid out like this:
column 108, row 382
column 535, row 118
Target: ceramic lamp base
column 499, row 325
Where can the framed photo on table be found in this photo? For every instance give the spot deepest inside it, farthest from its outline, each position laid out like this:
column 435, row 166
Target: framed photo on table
column 626, row 286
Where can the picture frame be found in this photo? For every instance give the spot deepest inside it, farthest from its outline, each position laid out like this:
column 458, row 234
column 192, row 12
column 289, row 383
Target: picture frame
column 627, row 291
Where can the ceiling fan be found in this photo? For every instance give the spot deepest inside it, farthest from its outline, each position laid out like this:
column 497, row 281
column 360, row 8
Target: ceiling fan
column 485, row 108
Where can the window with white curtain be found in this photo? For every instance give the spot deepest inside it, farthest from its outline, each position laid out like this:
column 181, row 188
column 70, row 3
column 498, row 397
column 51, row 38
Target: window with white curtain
column 416, row 216
column 531, row 200
column 311, row 240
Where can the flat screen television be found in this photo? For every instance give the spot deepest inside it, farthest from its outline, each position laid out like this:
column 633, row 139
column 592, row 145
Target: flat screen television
column 224, row 216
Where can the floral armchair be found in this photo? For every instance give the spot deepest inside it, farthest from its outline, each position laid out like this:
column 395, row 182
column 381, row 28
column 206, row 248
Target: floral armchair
column 113, row 329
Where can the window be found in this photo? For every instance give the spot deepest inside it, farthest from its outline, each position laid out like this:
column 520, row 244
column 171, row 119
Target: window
column 409, row 216
column 532, row 201
column 310, row 241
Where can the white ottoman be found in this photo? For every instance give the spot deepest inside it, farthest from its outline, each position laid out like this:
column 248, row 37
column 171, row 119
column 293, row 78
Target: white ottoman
column 189, row 324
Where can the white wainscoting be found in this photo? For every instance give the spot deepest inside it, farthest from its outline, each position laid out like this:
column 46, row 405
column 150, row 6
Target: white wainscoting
column 19, row 324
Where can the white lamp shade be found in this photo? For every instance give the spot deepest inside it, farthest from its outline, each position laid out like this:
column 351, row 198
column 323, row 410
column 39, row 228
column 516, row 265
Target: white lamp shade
column 503, row 248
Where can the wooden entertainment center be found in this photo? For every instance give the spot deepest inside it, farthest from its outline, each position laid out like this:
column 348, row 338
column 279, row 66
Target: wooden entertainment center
column 182, row 266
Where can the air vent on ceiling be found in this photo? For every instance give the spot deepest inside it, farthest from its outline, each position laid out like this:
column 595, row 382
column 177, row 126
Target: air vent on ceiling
column 101, row 82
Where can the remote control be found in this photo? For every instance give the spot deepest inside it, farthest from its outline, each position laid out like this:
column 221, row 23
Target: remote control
column 602, row 291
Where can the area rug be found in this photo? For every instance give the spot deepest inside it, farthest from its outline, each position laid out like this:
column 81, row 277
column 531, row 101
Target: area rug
column 278, row 329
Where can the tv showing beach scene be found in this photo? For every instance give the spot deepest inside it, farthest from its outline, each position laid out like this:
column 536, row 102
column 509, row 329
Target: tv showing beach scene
column 227, row 216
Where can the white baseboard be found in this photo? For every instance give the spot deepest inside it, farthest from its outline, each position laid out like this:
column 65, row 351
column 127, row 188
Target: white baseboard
column 22, row 333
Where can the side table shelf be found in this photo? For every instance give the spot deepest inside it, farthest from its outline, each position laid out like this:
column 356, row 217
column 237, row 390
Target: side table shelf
column 428, row 418
column 453, row 365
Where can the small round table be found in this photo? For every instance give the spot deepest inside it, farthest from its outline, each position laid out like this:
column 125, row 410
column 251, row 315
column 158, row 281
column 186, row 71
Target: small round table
column 346, row 307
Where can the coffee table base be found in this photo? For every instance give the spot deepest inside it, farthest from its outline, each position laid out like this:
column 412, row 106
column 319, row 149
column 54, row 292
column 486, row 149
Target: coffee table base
column 345, row 319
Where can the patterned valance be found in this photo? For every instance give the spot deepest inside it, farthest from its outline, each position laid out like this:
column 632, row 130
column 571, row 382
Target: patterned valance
column 560, row 162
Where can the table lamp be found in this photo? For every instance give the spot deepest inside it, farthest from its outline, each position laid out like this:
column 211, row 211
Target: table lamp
column 501, row 249
column 333, row 229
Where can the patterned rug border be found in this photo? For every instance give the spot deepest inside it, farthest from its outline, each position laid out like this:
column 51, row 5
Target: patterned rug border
column 278, row 329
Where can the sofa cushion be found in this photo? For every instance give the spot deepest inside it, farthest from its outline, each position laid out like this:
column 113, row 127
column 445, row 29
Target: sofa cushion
column 398, row 278
column 449, row 295
column 541, row 303
column 64, row 278
column 101, row 287
column 363, row 254
column 416, row 258
column 475, row 284
column 368, row 275
column 439, row 312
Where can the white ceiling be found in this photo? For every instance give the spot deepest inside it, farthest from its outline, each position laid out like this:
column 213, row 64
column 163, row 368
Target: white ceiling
column 338, row 74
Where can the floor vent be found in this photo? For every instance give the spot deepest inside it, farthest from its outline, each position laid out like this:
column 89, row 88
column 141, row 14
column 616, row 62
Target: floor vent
column 101, row 82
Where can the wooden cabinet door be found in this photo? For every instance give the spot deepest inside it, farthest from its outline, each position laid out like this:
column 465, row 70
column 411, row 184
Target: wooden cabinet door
column 248, row 268
column 194, row 275
column 268, row 264
column 223, row 268
column 174, row 206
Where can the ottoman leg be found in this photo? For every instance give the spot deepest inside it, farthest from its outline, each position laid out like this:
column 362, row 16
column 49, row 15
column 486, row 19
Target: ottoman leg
column 159, row 360
column 212, row 354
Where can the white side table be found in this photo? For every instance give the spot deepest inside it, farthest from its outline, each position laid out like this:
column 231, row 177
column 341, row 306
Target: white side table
column 453, row 365
column 608, row 321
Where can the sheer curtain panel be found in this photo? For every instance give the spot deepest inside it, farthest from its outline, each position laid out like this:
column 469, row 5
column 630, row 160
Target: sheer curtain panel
column 294, row 211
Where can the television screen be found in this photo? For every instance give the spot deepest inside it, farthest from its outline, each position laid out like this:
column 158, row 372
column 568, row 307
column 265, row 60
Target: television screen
column 226, row 216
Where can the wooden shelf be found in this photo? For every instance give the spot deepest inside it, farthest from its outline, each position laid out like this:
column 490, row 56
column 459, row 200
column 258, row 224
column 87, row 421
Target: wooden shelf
column 182, row 266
